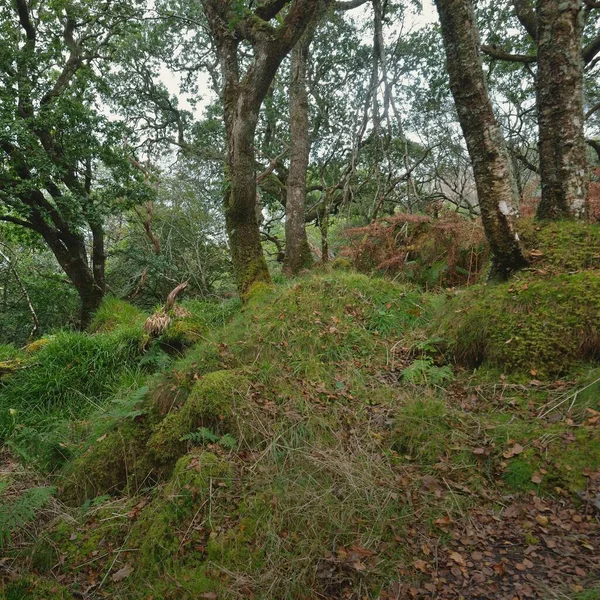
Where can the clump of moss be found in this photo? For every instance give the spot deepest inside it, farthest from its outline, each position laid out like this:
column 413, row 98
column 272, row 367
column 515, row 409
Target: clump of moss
column 37, row 345
column 11, row 359
column 216, row 402
column 165, row 528
column 422, row 430
column 527, row 325
column 561, row 246
column 116, row 314
column 112, row 464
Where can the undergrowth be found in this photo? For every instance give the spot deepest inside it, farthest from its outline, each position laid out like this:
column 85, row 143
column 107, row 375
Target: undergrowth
column 314, row 443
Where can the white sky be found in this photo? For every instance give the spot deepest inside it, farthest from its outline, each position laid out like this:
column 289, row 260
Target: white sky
column 414, row 20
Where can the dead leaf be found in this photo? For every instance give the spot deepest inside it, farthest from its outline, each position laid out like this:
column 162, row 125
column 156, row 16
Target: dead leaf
column 122, row 573
column 514, row 451
column 536, row 478
column 458, row 559
column 421, row 565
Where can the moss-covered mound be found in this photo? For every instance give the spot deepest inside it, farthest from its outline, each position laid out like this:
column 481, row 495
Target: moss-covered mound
column 561, row 246
column 305, row 448
column 542, row 326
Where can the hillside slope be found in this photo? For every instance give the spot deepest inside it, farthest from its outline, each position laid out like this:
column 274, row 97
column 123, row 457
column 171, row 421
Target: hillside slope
column 321, row 442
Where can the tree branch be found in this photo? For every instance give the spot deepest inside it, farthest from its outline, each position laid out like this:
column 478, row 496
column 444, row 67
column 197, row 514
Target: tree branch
column 526, row 15
column 495, row 52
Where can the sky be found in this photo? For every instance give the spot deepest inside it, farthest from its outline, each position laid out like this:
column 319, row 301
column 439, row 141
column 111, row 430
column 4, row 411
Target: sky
column 414, row 20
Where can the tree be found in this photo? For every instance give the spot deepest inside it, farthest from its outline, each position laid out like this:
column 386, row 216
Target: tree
column 231, row 25
column 297, row 251
column 63, row 165
column 492, row 169
column 565, row 45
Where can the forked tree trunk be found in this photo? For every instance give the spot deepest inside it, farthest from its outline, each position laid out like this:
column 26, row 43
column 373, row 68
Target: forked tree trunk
column 297, row 251
column 494, row 179
column 563, row 152
column 231, row 22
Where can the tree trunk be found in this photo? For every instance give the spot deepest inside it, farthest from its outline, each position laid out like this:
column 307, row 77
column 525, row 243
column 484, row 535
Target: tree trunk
column 241, row 220
column 297, row 251
column 70, row 252
column 243, row 95
column 494, row 178
column 563, row 155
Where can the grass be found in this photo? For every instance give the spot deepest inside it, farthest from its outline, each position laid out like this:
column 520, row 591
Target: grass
column 346, row 444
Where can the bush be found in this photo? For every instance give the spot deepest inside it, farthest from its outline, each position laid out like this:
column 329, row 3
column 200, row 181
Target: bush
column 443, row 252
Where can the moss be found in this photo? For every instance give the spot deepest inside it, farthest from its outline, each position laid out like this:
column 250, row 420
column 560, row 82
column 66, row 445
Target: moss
column 529, row 325
column 258, row 293
column 165, row 530
column 561, row 246
column 37, row 345
column 116, row 314
column 34, row 588
column 216, row 402
column 422, row 430
column 90, row 539
column 113, row 464
column 341, row 264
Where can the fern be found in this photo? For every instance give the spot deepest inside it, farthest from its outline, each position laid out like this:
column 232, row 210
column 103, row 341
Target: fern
column 206, row 436
column 425, row 372
column 15, row 514
column 201, row 436
column 126, row 408
column 228, row 442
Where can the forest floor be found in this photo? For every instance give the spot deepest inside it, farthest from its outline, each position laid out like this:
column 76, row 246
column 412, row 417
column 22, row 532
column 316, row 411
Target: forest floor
column 339, row 437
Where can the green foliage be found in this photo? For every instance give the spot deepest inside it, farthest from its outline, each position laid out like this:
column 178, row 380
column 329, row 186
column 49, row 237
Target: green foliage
column 15, row 513
column 424, row 371
column 203, row 435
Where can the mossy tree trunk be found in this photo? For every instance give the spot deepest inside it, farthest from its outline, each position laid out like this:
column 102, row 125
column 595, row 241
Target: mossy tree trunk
column 494, row 179
column 230, row 24
column 563, row 151
column 297, row 251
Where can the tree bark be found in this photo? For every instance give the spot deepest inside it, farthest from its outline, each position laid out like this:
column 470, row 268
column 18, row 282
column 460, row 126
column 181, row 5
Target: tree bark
column 563, row 155
column 297, row 251
column 243, row 96
column 494, row 179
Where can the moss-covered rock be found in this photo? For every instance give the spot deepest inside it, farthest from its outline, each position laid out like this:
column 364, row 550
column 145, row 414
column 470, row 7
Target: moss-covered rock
column 217, row 402
column 539, row 326
column 165, row 528
column 561, row 246
column 113, row 463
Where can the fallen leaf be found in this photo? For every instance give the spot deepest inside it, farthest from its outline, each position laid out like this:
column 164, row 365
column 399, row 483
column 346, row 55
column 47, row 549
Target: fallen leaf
column 514, row 451
column 536, row 478
column 421, row 565
column 458, row 559
column 123, row 573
